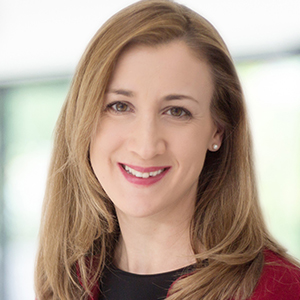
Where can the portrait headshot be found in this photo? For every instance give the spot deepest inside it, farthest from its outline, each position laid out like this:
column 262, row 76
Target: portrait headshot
column 160, row 183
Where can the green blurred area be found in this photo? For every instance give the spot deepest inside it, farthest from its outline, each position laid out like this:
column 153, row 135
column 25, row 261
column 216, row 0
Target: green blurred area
column 273, row 98
column 30, row 113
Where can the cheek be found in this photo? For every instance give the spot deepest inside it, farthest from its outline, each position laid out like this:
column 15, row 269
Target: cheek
column 97, row 150
column 100, row 160
column 192, row 158
column 191, row 148
column 191, row 142
column 104, row 144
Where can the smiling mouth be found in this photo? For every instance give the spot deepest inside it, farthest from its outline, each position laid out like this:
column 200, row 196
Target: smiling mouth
column 138, row 174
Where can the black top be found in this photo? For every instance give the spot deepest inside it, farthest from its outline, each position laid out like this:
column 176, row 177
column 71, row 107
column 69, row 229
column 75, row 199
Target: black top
column 120, row 285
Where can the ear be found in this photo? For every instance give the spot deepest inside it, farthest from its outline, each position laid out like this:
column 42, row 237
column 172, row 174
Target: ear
column 216, row 139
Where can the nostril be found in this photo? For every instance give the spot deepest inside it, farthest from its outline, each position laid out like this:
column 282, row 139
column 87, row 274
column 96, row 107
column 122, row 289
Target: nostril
column 146, row 141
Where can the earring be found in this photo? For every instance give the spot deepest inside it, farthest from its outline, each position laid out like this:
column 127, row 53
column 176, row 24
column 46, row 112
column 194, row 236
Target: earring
column 215, row 147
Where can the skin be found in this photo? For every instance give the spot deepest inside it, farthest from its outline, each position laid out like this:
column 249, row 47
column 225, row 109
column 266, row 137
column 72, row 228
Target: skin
column 157, row 114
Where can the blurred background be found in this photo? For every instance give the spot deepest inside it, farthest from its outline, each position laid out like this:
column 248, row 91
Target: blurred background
column 40, row 45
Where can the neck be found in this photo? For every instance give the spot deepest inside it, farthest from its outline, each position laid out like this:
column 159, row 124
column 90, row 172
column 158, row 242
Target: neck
column 151, row 245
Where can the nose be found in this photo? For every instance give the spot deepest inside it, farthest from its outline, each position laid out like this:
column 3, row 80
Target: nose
column 146, row 138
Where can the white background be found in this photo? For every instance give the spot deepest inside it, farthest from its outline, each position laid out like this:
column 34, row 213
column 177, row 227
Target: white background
column 46, row 37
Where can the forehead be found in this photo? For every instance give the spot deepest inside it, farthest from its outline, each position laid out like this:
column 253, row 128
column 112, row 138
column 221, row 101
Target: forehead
column 176, row 50
column 170, row 66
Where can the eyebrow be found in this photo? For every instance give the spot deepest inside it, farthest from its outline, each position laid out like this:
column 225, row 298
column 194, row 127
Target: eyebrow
column 170, row 97
column 126, row 93
column 179, row 97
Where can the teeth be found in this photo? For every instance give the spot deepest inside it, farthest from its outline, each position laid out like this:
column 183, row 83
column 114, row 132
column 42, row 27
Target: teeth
column 140, row 174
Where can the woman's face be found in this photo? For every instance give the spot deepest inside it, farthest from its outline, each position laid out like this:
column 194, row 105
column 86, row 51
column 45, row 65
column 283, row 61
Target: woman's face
column 156, row 127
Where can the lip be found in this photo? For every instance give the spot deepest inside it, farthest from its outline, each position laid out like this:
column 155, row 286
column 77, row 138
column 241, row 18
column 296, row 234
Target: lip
column 144, row 181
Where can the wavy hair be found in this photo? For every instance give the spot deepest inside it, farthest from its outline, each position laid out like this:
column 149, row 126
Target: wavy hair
column 79, row 227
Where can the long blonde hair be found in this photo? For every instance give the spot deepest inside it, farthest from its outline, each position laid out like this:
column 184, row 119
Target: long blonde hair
column 79, row 226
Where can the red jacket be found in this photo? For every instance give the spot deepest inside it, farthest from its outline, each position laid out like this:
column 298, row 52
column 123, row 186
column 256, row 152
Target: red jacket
column 279, row 281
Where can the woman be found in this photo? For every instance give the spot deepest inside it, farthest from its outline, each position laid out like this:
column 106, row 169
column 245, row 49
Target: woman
column 151, row 191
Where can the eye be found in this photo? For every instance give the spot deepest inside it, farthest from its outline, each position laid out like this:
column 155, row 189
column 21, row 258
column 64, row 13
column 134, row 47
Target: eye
column 178, row 112
column 118, row 107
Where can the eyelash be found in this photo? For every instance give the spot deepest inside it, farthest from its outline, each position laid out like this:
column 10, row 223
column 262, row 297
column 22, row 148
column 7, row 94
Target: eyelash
column 186, row 113
column 110, row 106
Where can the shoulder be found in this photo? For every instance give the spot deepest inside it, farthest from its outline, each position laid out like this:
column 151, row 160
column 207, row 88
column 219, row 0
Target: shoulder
column 280, row 280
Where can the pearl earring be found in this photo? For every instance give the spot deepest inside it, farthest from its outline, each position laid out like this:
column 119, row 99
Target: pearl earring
column 215, row 147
